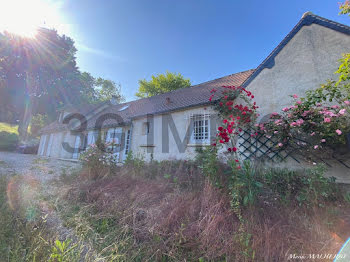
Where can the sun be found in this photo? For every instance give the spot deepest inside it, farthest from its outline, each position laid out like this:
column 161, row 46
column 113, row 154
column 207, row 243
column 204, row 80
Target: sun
column 23, row 17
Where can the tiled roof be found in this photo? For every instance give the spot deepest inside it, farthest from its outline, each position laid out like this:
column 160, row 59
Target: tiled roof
column 179, row 99
column 307, row 19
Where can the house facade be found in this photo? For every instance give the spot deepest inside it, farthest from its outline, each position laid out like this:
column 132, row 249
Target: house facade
column 174, row 124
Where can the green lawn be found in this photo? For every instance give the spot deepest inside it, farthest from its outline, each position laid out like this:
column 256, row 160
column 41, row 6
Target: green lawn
column 8, row 128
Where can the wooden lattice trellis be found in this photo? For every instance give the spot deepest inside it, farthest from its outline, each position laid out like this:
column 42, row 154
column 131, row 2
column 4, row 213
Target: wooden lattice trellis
column 263, row 147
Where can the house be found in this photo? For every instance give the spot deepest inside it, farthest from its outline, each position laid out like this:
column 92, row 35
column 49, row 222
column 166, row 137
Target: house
column 174, row 124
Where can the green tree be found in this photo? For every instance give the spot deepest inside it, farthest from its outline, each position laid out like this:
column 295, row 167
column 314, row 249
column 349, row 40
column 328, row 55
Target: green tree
column 37, row 74
column 97, row 90
column 161, row 83
column 345, row 8
column 108, row 89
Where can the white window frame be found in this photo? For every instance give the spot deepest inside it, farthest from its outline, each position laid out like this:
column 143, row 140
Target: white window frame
column 77, row 145
column 110, row 137
column 146, row 128
column 127, row 142
column 200, row 129
column 91, row 137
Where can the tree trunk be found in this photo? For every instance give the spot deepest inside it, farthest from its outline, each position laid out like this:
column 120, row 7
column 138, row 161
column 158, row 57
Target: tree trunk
column 28, row 111
column 24, row 123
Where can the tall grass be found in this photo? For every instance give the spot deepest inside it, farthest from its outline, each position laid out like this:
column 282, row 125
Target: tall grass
column 19, row 240
column 24, row 237
column 8, row 128
column 154, row 217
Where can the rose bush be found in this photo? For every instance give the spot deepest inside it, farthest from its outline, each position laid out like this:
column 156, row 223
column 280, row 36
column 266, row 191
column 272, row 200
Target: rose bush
column 238, row 111
column 310, row 127
column 98, row 160
column 320, row 121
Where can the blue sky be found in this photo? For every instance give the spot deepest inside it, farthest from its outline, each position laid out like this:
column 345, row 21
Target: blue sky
column 202, row 39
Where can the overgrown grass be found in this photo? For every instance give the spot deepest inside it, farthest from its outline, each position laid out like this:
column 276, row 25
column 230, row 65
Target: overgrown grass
column 20, row 240
column 25, row 234
column 148, row 214
column 9, row 128
column 169, row 211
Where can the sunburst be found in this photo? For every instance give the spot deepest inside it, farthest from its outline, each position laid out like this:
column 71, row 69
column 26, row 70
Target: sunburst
column 23, row 17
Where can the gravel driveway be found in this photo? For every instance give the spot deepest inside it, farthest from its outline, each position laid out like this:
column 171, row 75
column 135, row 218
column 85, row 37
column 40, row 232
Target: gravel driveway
column 43, row 169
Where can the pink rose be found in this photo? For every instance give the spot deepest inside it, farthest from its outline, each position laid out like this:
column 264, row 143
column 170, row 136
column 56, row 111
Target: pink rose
column 299, row 102
column 280, row 144
column 312, row 134
column 295, row 96
column 285, row 109
column 315, row 147
column 347, row 102
column 339, row 132
column 342, row 111
column 327, row 120
column 323, row 140
column 300, row 122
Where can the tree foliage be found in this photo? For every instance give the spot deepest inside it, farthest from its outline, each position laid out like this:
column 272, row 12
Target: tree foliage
column 39, row 75
column 345, row 8
column 97, row 90
column 162, row 83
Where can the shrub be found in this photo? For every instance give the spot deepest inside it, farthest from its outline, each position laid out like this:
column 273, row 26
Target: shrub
column 8, row 141
column 306, row 187
column 208, row 162
column 99, row 161
column 38, row 122
column 244, row 185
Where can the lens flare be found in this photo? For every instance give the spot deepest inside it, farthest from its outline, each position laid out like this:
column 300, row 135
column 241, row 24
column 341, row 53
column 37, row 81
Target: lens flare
column 23, row 17
column 344, row 253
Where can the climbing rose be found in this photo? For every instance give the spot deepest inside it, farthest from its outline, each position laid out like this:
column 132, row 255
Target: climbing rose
column 323, row 140
column 280, row 144
column 315, row 147
column 347, row 102
column 295, row 96
column 342, row 111
column 339, row 132
column 327, row 120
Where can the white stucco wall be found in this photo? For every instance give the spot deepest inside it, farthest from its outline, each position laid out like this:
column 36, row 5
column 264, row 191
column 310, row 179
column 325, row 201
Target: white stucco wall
column 308, row 60
column 181, row 120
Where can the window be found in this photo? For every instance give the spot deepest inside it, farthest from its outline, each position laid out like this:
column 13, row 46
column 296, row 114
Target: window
column 146, row 128
column 127, row 142
column 91, row 137
column 201, row 128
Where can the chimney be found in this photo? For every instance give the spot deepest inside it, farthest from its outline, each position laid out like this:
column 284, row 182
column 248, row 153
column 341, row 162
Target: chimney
column 114, row 100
